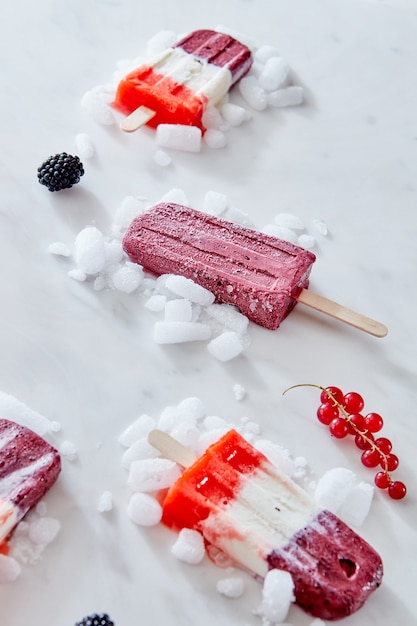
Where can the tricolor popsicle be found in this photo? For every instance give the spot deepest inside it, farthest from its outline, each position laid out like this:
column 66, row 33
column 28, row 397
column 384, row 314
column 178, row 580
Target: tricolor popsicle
column 262, row 275
column 178, row 85
column 29, row 466
column 261, row 519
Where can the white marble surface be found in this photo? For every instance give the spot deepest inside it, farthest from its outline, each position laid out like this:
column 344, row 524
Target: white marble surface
column 87, row 359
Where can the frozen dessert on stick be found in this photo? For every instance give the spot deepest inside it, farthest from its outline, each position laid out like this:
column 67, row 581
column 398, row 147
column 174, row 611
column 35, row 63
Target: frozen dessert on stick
column 178, row 84
column 244, row 506
column 29, row 466
column 262, row 275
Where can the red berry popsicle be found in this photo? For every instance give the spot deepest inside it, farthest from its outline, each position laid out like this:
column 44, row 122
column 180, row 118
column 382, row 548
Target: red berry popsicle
column 244, row 506
column 262, row 275
column 29, row 466
column 178, row 85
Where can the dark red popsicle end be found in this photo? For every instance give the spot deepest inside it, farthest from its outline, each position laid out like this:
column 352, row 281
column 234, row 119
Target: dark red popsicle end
column 334, row 570
column 29, row 466
column 219, row 49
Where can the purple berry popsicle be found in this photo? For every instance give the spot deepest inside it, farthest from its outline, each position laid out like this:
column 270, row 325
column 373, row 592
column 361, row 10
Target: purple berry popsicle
column 29, row 466
column 262, row 275
column 262, row 520
column 178, row 85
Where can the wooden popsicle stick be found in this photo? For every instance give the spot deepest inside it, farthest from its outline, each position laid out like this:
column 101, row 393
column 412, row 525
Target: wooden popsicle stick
column 340, row 312
column 171, row 448
column 139, row 117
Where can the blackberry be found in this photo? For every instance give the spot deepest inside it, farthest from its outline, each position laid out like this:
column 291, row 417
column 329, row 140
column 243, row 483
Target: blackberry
column 96, row 619
column 60, row 171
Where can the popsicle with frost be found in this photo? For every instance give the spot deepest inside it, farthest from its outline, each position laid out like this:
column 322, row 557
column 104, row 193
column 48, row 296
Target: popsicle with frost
column 262, row 520
column 262, row 275
column 180, row 83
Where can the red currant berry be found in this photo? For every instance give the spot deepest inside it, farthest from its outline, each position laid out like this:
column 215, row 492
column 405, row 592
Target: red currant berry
column 383, row 444
column 326, row 413
column 390, row 462
column 373, row 422
column 364, row 442
column 329, row 394
column 397, row 490
column 338, row 427
column 355, row 423
column 370, row 458
column 353, row 402
column 382, row 480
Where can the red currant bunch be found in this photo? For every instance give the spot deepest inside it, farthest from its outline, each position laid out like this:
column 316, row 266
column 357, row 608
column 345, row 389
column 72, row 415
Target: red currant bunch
column 343, row 414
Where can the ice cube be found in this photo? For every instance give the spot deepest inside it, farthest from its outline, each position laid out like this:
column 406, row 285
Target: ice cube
column 265, row 52
column 43, row 530
column 289, row 220
column 333, row 488
column 187, row 288
column 68, row 450
column 127, row 278
column 306, row 241
column 274, row 74
column 287, row 96
column 152, row 474
column 144, row 509
column 226, row 346
column 229, row 317
column 179, row 137
column 277, row 595
column 95, row 104
column 156, row 303
column 215, row 138
column 60, row 249
column 357, row 503
column 232, row 587
column 189, row 546
column 215, row 203
column 178, row 310
column 139, row 450
column 89, row 250
column 105, row 502
column 9, row 569
column 234, row 114
column 136, row 430
column 162, row 158
column 253, row 93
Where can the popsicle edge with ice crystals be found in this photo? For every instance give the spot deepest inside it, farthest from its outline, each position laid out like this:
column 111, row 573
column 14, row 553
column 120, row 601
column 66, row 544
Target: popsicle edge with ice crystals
column 177, row 85
column 260, row 518
column 29, row 466
column 262, row 275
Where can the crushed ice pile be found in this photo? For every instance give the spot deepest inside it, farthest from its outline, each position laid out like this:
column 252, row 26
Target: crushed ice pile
column 37, row 530
column 148, row 472
column 268, row 84
column 184, row 311
column 28, row 542
column 191, row 424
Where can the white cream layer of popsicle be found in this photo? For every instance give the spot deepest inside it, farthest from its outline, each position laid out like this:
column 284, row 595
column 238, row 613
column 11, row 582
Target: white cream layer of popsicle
column 266, row 512
column 198, row 75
